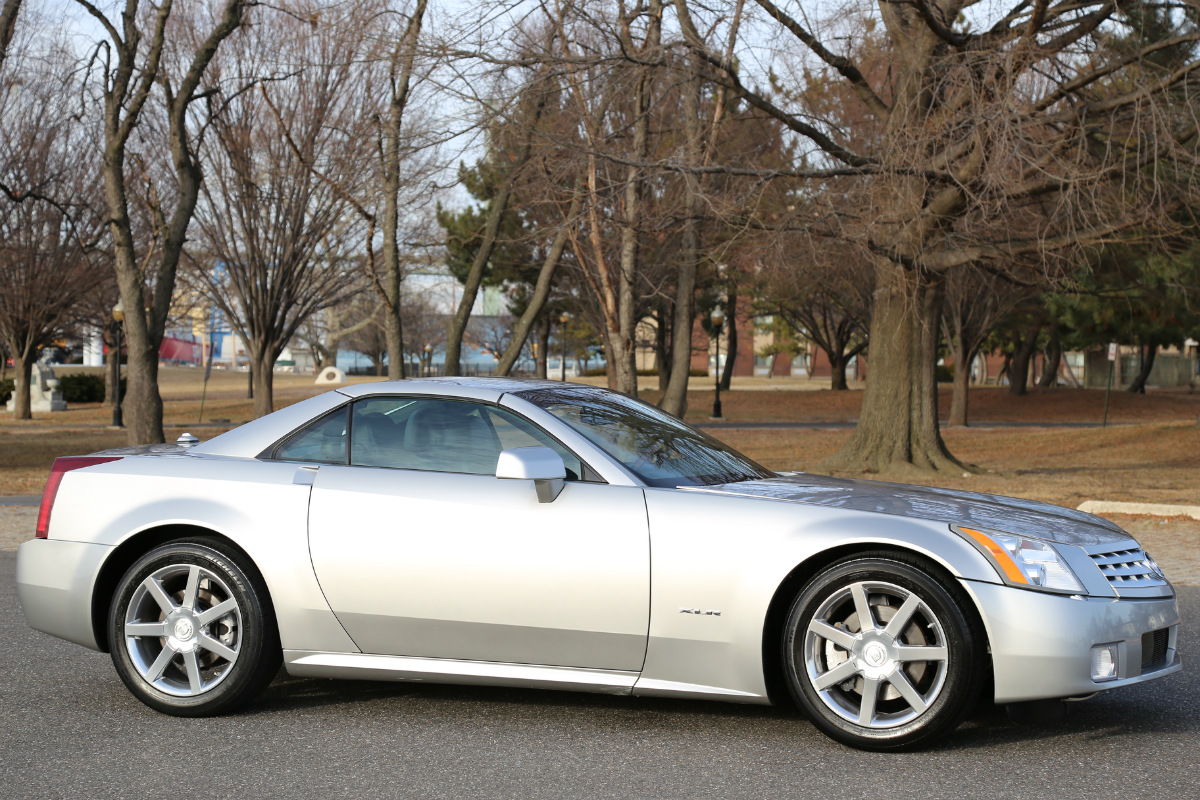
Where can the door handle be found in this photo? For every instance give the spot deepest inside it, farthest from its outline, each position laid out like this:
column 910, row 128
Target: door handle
column 305, row 476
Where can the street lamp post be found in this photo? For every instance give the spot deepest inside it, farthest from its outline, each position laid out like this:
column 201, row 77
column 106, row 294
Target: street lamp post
column 428, row 351
column 118, row 315
column 562, row 332
column 718, row 322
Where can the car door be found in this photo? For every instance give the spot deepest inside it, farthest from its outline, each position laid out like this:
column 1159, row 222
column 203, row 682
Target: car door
column 421, row 551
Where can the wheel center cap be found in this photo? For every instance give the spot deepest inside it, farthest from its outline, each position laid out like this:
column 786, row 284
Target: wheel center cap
column 875, row 654
column 184, row 629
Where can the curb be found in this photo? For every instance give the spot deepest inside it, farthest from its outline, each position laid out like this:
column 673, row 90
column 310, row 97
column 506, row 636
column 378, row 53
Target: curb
column 1151, row 509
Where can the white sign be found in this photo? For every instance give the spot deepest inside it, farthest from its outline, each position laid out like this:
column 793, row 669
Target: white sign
column 1112, row 351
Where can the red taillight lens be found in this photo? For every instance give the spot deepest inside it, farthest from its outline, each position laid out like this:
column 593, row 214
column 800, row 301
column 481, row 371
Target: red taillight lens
column 61, row 467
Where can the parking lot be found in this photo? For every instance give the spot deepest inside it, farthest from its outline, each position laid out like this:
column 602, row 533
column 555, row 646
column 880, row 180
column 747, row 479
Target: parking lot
column 68, row 728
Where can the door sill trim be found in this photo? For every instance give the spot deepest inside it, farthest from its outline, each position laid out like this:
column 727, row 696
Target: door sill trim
column 365, row 666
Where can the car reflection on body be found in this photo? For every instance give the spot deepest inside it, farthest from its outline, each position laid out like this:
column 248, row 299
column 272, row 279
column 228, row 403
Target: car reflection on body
column 541, row 534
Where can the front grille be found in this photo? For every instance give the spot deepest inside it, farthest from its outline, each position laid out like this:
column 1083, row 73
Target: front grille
column 1128, row 569
column 1154, row 649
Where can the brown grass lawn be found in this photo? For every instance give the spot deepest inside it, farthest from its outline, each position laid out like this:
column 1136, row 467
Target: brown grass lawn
column 1153, row 455
column 1155, row 463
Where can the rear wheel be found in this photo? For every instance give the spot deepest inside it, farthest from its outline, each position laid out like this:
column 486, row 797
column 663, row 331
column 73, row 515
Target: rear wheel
column 881, row 655
column 192, row 632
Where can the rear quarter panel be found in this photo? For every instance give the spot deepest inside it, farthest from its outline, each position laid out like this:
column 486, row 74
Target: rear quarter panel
column 252, row 503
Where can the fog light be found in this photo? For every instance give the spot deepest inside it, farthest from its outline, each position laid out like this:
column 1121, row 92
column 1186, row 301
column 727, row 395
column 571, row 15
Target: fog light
column 1104, row 662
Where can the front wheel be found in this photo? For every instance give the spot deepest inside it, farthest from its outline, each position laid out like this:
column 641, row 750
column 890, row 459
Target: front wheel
column 191, row 630
column 881, row 656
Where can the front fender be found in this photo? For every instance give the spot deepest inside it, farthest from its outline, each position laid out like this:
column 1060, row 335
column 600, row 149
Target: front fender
column 730, row 555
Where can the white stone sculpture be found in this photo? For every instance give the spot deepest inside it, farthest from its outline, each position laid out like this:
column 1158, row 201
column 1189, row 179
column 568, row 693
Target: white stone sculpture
column 44, row 394
column 331, row 375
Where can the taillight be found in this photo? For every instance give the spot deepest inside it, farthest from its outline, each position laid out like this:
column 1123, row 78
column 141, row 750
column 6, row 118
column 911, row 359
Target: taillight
column 60, row 467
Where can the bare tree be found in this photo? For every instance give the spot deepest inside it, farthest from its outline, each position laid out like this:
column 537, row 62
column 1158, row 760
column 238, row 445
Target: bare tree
column 273, row 236
column 389, row 41
column 130, row 70
column 49, row 225
column 976, row 302
column 8, row 25
column 325, row 330
column 994, row 135
column 824, row 293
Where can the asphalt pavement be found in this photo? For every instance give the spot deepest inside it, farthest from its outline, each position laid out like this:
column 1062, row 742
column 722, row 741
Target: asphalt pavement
column 68, row 728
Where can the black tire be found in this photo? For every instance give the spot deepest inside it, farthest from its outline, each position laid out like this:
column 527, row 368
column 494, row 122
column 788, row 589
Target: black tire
column 201, row 660
column 833, row 664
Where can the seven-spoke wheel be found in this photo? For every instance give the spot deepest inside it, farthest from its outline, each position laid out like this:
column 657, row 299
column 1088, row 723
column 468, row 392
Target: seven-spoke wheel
column 189, row 632
column 182, row 629
column 881, row 655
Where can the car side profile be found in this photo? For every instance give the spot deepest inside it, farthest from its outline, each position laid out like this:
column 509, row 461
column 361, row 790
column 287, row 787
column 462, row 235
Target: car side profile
column 551, row 535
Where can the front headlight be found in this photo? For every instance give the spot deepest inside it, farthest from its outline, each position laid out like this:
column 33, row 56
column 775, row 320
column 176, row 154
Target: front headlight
column 1026, row 562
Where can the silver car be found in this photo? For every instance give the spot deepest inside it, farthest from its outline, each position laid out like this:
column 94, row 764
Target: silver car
column 541, row 534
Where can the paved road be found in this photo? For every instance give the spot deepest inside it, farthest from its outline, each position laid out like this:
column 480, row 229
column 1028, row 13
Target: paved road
column 69, row 729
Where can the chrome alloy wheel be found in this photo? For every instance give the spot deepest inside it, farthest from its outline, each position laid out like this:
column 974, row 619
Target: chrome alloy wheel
column 183, row 630
column 876, row 654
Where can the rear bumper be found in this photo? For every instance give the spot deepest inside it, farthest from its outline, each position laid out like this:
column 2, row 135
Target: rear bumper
column 1042, row 643
column 55, row 581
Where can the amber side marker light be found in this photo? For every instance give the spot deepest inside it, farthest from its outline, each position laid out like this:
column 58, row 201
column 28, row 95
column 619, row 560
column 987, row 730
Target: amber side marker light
column 61, row 467
column 1003, row 559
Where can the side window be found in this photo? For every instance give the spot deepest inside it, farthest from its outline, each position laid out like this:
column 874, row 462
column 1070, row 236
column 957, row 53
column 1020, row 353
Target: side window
column 514, row 431
column 377, row 432
column 441, row 436
column 322, row 441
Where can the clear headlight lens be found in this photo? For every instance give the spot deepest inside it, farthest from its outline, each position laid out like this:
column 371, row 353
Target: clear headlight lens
column 1027, row 562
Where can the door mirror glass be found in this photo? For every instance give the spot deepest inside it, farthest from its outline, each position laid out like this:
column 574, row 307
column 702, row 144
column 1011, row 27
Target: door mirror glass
column 541, row 465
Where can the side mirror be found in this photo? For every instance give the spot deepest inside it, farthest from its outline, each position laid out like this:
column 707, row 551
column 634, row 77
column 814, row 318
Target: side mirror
column 541, row 465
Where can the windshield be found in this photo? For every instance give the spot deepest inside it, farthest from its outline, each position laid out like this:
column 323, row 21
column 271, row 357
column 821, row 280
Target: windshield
column 655, row 446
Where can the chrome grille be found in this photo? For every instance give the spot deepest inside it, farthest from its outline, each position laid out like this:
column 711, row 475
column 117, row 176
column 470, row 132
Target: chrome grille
column 1128, row 569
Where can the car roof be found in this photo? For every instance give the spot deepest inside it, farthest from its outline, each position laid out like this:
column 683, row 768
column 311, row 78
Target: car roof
column 477, row 388
column 250, row 439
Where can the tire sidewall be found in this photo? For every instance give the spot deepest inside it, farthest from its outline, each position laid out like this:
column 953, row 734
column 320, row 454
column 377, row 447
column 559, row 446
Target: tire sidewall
column 963, row 667
column 254, row 636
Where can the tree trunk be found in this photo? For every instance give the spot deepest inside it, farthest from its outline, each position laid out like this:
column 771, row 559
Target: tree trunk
column 1018, row 371
column 898, row 427
column 1139, row 383
column 610, row 370
column 142, row 404
column 23, row 372
column 543, row 346
column 1053, row 360
column 403, row 56
column 962, row 380
column 541, row 290
column 487, row 243
column 263, row 372
column 250, row 370
column 111, row 336
column 731, row 342
column 674, row 399
column 662, row 345
column 462, row 315
column 394, row 334
column 837, row 371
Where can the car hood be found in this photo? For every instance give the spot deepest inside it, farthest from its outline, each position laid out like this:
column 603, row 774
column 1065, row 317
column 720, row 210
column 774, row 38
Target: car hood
column 971, row 509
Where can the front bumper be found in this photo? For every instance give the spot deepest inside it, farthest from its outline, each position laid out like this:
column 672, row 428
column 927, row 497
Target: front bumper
column 55, row 581
column 1041, row 643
